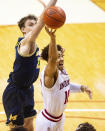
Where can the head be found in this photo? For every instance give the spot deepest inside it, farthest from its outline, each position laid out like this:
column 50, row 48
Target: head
column 19, row 129
column 85, row 127
column 26, row 23
column 60, row 60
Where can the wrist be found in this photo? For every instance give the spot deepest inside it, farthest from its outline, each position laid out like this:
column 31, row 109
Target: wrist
column 53, row 38
column 82, row 88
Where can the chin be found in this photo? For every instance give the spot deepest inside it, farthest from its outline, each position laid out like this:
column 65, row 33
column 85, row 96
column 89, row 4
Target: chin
column 60, row 68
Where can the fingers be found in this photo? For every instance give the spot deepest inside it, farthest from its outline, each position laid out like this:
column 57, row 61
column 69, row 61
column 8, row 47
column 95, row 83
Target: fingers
column 54, row 31
column 46, row 28
column 63, row 50
column 89, row 93
column 44, row 5
column 50, row 31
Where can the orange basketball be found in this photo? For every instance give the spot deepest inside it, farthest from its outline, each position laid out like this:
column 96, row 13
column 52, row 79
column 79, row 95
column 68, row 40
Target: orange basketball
column 54, row 17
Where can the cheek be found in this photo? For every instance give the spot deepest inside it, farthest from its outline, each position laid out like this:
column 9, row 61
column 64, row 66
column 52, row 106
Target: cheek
column 58, row 61
column 29, row 29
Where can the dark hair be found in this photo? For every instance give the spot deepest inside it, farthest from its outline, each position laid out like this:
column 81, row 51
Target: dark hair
column 19, row 129
column 85, row 127
column 44, row 54
column 22, row 21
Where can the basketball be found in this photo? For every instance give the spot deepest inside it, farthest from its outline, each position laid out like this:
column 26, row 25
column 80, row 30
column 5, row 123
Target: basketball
column 54, row 17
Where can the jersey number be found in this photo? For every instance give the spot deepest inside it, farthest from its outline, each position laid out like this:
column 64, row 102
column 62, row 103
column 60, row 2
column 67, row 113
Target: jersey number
column 66, row 96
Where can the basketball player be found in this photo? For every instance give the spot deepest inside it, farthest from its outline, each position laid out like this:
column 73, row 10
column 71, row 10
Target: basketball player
column 55, row 87
column 18, row 96
column 85, row 127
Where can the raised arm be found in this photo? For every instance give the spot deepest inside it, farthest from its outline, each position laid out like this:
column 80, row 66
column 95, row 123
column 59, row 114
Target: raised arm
column 31, row 37
column 51, row 72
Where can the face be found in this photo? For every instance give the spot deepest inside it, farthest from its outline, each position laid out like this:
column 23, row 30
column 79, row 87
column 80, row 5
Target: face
column 60, row 60
column 29, row 24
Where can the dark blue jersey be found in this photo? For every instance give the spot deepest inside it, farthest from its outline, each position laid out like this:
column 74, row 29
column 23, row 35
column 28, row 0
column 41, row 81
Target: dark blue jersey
column 25, row 69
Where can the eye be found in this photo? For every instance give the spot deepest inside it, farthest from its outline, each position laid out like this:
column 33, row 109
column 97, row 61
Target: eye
column 31, row 24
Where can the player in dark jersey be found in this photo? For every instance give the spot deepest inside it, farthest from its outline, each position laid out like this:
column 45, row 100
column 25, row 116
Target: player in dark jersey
column 18, row 96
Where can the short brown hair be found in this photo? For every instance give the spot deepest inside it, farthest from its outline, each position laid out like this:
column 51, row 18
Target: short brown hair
column 44, row 54
column 22, row 21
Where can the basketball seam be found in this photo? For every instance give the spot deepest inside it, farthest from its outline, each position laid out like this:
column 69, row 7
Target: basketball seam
column 55, row 19
column 58, row 13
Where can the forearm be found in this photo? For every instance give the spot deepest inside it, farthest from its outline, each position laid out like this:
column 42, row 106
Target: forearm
column 51, row 3
column 31, row 36
column 80, row 88
column 51, row 68
column 40, row 24
column 75, row 88
column 53, row 49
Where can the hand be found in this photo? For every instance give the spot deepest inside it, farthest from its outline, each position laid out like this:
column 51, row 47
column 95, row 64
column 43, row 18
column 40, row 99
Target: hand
column 87, row 90
column 51, row 32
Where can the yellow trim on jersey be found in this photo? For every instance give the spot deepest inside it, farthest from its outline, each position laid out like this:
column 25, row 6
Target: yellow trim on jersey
column 26, row 55
column 37, row 53
column 17, row 44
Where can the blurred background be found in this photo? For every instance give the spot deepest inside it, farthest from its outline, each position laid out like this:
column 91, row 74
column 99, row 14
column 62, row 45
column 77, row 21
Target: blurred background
column 82, row 36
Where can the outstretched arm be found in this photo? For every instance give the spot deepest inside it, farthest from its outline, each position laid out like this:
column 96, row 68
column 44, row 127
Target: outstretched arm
column 80, row 88
column 74, row 88
column 28, row 43
column 38, row 27
column 51, row 68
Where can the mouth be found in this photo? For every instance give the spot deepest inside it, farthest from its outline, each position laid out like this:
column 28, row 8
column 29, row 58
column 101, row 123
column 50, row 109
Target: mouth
column 60, row 65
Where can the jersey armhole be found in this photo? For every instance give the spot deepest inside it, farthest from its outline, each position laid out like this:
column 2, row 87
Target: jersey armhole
column 18, row 49
column 43, row 85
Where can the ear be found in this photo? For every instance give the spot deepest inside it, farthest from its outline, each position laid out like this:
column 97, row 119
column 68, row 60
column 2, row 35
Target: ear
column 23, row 30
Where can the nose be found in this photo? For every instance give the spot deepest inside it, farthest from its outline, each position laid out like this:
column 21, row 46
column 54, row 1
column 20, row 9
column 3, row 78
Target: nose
column 61, row 59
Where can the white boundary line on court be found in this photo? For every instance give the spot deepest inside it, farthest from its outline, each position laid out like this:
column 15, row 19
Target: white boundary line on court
column 2, row 112
column 78, row 110
column 86, row 110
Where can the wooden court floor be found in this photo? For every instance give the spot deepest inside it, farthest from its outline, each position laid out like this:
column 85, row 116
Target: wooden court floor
column 84, row 62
